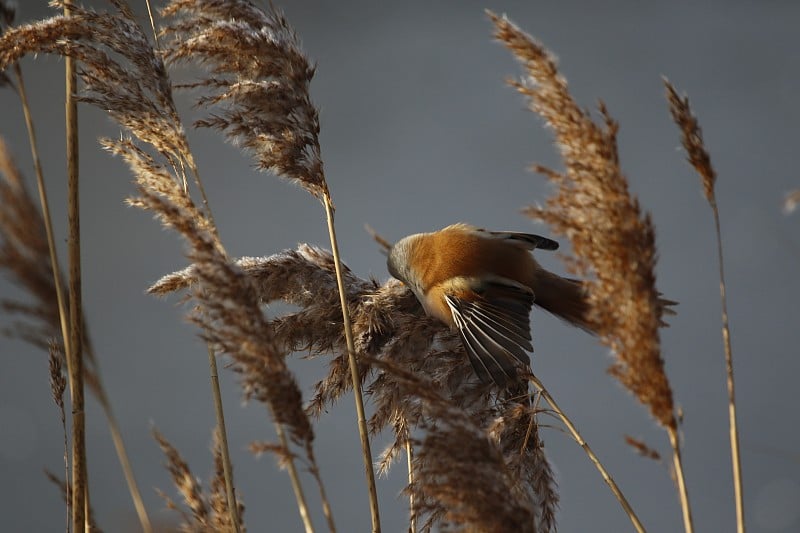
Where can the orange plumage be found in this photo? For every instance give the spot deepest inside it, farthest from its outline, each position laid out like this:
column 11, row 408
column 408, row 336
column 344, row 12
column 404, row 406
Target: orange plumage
column 483, row 284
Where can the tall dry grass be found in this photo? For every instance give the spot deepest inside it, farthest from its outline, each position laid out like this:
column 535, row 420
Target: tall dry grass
column 374, row 336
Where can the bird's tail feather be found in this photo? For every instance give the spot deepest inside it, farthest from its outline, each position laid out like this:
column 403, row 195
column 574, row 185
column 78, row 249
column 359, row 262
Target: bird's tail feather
column 563, row 297
column 567, row 299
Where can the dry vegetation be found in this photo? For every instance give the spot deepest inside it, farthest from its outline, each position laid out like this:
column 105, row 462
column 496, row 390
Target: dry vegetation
column 413, row 370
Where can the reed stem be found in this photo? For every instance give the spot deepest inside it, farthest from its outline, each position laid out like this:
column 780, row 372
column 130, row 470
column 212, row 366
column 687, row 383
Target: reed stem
column 354, row 374
column 736, row 462
column 688, row 525
column 592, row 457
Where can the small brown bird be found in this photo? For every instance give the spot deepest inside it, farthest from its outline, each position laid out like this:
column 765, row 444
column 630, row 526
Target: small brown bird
column 483, row 283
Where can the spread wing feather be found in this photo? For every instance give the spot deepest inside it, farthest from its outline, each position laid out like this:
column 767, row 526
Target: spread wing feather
column 495, row 328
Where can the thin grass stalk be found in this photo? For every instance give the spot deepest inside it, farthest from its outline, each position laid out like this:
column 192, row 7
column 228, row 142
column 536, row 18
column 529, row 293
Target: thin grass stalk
column 152, row 24
column 116, row 434
column 313, row 469
column 223, row 437
column 80, row 516
column 124, row 461
column 592, row 457
column 677, row 463
column 48, row 223
column 698, row 157
column 51, row 246
column 412, row 528
column 363, row 431
column 299, row 495
column 736, row 462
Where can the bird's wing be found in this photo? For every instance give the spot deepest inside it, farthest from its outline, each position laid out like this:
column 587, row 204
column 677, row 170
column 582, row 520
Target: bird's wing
column 527, row 240
column 493, row 319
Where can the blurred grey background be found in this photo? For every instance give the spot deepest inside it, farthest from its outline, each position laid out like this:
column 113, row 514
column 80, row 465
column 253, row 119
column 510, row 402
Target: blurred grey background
column 420, row 131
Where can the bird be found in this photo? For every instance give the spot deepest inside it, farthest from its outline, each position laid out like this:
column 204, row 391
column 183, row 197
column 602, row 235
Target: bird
column 483, row 284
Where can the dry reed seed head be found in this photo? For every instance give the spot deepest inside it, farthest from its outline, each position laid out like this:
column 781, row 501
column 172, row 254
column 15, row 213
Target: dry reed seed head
column 257, row 86
column 612, row 240
column 229, row 311
column 692, row 139
column 186, row 483
column 25, row 258
column 389, row 325
column 218, row 499
column 467, row 485
column 516, row 431
column 121, row 72
column 58, row 379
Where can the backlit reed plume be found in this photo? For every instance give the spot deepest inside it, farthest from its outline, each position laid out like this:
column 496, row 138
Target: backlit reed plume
column 133, row 89
column 207, row 511
column 257, row 88
column 121, row 73
column 697, row 155
column 405, row 356
column 258, row 83
column 612, row 240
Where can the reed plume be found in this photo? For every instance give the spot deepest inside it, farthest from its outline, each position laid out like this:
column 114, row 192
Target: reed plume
column 258, row 87
column 207, row 511
column 404, row 355
column 258, row 83
column 122, row 73
column 613, row 241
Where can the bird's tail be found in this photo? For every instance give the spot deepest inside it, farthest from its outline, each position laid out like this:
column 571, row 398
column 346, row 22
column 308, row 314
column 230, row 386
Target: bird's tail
column 567, row 299
column 563, row 297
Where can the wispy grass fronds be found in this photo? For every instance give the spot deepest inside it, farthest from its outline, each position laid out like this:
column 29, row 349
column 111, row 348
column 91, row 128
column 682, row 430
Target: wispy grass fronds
column 697, row 155
column 389, row 326
column 207, row 512
column 258, row 89
column 462, row 478
column 121, row 74
column 612, row 239
column 229, row 311
column 218, row 499
column 188, row 486
column 516, row 431
column 25, row 256
column 258, row 85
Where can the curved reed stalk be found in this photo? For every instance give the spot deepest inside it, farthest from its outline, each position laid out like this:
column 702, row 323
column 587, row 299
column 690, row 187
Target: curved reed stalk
column 692, row 139
column 637, row 524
